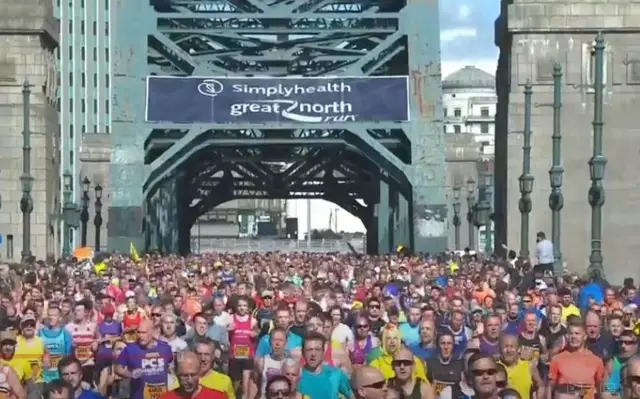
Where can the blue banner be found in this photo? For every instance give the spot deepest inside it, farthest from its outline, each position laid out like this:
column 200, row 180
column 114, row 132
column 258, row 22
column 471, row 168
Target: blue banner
column 269, row 100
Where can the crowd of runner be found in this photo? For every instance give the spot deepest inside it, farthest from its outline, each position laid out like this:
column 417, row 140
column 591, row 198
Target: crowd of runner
column 316, row 326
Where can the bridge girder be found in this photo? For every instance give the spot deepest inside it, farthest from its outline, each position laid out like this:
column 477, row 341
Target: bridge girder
column 294, row 37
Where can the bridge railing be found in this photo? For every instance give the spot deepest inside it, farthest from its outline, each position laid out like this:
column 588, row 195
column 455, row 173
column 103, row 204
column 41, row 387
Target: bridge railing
column 238, row 245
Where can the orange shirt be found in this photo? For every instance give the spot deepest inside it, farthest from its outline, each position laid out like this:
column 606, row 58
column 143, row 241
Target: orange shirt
column 577, row 368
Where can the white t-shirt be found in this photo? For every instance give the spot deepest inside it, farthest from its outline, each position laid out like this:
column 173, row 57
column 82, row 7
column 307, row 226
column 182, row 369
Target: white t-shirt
column 544, row 252
column 343, row 334
column 223, row 319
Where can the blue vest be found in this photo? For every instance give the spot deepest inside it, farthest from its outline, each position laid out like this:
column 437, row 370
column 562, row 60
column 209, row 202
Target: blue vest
column 56, row 346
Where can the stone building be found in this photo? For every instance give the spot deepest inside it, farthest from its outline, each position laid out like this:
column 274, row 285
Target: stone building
column 95, row 161
column 532, row 36
column 28, row 39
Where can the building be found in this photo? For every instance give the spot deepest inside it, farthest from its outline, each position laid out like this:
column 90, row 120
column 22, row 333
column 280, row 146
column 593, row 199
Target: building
column 84, row 80
column 28, row 41
column 532, row 36
column 469, row 104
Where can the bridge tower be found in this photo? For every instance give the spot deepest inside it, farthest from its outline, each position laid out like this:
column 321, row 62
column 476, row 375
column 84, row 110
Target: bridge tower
column 167, row 172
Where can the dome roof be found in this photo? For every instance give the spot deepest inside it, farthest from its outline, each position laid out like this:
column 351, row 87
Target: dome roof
column 469, row 77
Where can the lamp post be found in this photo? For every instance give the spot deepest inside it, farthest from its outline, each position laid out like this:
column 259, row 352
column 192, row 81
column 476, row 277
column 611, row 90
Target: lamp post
column 97, row 220
column 481, row 214
column 597, row 162
column 556, row 200
column 26, row 180
column 488, row 231
column 67, row 210
column 456, row 215
column 471, row 203
column 526, row 178
column 84, row 213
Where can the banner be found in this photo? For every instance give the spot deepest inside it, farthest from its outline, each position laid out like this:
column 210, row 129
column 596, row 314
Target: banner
column 269, row 100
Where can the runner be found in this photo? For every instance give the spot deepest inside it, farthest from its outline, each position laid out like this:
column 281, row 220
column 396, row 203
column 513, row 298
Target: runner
column 444, row 372
column 85, row 339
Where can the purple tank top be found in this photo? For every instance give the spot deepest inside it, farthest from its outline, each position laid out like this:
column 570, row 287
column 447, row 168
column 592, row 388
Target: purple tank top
column 359, row 354
column 489, row 348
column 112, row 328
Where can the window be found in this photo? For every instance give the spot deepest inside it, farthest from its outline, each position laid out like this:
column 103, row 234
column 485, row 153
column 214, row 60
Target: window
column 71, row 104
column 106, row 54
column 95, row 80
column 95, row 128
column 484, row 111
column 82, row 27
column 444, row 110
column 444, row 129
column 95, row 106
column 106, row 107
column 84, row 80
column 544, row 69
column 95, row 54
column 9, row 246
column 82, row 54
column 106, row 129
column 83, row 105
column 70, row 53
column 71, row 27
column 457, row 129
column 484, row 128
column 84, row 129
column 106, row 4
column 106, row 29
column 71, row 157
column 95, row 28
column 457, row 112
column 107, row 80
column 70, row 78
column 71, row 132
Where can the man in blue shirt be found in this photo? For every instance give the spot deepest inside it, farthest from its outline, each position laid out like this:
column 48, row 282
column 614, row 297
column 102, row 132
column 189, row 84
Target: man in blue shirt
column 319, row 380
column 294, row 342
column 70, row 370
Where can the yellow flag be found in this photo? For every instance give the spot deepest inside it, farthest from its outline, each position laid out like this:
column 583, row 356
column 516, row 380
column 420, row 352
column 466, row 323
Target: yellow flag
column 453, row 266
column 99, row 267
column 133, row 252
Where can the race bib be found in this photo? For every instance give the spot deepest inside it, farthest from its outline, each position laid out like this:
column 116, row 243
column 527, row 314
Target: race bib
column 154, row 391
column 443, row 390
column 35, row 368
column 440, row 387
column 241, row 351
column 54, row 360
column 83, row 353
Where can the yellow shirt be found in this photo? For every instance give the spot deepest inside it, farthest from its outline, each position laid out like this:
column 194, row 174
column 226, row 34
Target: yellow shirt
column 519, row 377
column 212, row 380
column 21, row 367
column 571, row 310
column 383, row 363
column 31, row 351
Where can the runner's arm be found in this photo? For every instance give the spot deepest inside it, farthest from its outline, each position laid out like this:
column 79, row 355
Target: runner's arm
column 537, row 379
column 427, row 391
column 14, row 384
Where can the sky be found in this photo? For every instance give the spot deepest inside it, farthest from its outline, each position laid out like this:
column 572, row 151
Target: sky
column 466, row 38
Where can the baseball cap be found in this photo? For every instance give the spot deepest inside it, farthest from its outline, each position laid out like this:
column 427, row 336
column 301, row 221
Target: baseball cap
column 266, row 293
column 28, row 318
column 7, row 336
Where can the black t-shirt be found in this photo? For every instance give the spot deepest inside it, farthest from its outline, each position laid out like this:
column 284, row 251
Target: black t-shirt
column 298, row 329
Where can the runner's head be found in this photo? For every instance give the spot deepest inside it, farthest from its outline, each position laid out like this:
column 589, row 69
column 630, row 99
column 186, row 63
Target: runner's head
column 278, row 340
column 145, row 332
column 368, row 382
column 205, row 350
column 313, row 348
column 188, row 371
column 291, row 370
column 509, row 349
column 403, row 364
column 70, row 371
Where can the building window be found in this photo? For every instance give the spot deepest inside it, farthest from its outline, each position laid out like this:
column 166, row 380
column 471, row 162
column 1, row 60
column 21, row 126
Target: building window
column 457, row 129
column 71, row 27
column 83, row 105
column 71, row 104
column 95, row 54
column 106, row 29
column 82, row 53
column 84, row 129
column 82, row 27
column 484, row 111
column 106, row 129
column 444, row 129
column 457, row 112
column 106, row 4
column 71, row 132
column 484, row 128
column 444, row 110
column 70, row 53
column 95, row 28
column 107, row 80
column 106, row 106
column 71, row 157
column 70, row 78
column 106, row 54
column 95, row 105
column 95, row 80
column 84, row 80
column 544, row 69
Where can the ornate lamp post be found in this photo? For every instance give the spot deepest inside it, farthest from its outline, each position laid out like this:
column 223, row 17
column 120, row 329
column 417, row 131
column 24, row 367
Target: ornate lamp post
column 487, row 182
column 84, row 213
column 97, row 220
column 481, row 214
column 68, row 208
column 526, row 179
column 556, row 200
column 26, row 180
column 597, row 162
column 471, row 203
column 456, row 215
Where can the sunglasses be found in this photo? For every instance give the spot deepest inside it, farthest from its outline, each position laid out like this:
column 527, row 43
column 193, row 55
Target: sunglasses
column 267, row 297
column 376, row 385
column 627, row 342
column 402, row 363
column 483, row 372
column 156, row 315
column 363, row 326
column 374, row 306
column 280, row 393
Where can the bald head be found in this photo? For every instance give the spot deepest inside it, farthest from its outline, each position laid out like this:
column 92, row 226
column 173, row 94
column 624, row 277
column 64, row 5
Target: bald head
column 188, row 371
column 403, row 354
column 145, row 332
column 188, row 360
column 365, row 376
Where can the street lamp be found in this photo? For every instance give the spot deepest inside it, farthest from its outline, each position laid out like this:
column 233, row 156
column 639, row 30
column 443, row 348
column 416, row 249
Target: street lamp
column 97, row 220
column 597, row 162
column 471, row 203
column 67, row 210
column 556, row 200
column 487, row 178
column 526, row 180
column 456, row 215
column 84, row 213
column 26, row 180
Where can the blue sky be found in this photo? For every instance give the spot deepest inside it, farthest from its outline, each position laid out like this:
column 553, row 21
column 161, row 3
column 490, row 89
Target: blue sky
column 466, row 34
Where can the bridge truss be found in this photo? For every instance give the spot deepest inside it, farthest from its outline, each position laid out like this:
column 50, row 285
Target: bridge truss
column 206, row 165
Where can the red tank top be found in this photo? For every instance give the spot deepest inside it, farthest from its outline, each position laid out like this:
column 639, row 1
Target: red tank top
column 242, row 344
column 131, row 320
column 327, row 358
